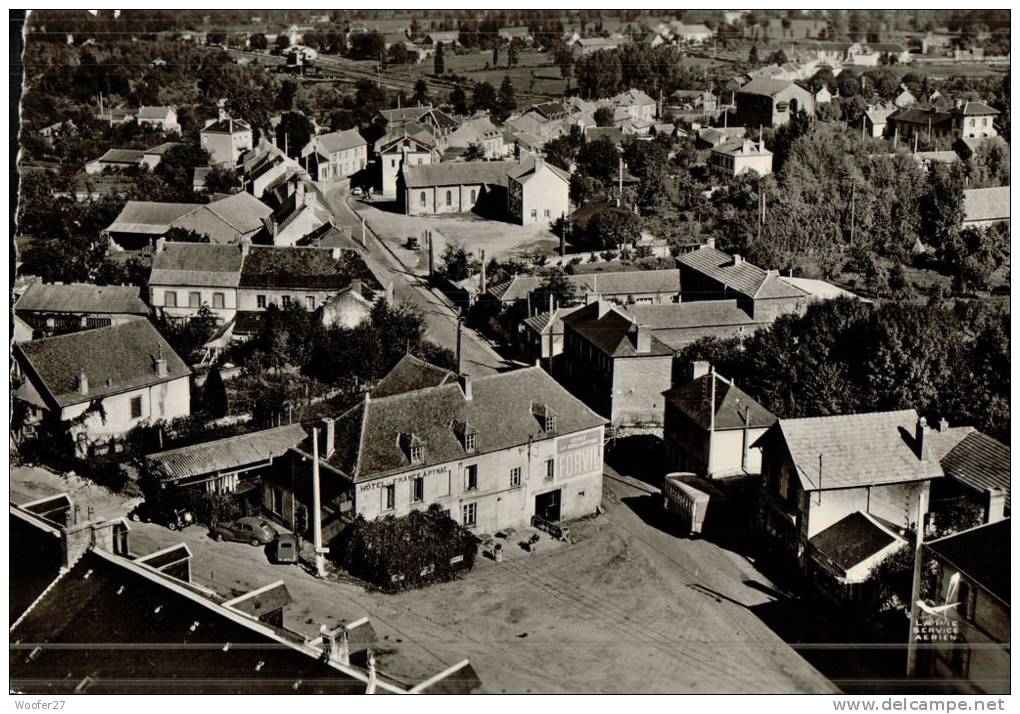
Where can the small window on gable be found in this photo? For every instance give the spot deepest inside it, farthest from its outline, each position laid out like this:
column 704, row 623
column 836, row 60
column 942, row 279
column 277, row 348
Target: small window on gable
column 413, row 448
column 545, row 416
column 466, row 434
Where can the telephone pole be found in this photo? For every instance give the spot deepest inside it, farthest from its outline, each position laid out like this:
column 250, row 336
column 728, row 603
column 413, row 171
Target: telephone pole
column 320, row 561
column 853, row 207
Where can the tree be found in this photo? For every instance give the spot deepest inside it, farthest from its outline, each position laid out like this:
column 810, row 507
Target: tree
column 455, row 262
column 599, row 74
column 495, row 56
column 397, row 54
column 421, row 92
column 564, row 59
column 562, row 151
column 294, row 132
column 288, row 90
column 185, row 235
column 439, row 61
column 778, row 57
column 282, row 42
column 258, row 42
column 474, row 152
column 989, row 165
column 513, row 53
column 752, row 56
column 368, row 46
column 221, row 179
column 458, row 100
column 507, row 97
column 484, row 97
column 599, row 160
column 603, row 116
column 942, row 206
column 558, row 285
column 613, row 227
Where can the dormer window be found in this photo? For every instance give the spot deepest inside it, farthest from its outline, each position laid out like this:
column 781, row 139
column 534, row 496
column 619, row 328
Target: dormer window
column 417, row 454
column 469, row 442
column 413, row 448
column 466, row 434
column 545, row 416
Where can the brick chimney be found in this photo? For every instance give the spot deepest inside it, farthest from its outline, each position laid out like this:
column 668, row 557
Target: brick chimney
column 919, row 434
column 943, row 425
column 245, row 247
column 465, row 384
column 83, row 382
column 701, row 368
column 159, row 364
column 160, row 244
column 995, row 505
column 737, row 259
column 327, row 438
column 644, row 339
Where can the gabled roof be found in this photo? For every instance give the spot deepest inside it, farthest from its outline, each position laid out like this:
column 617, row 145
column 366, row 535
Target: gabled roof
column 290, row 267
column 115, row 359
column 766, row 86
column 227, row 126
column 614, row 333
column 122, row 156
column 501, row 410
column 411, row 131
column 986, row 204
column 228, row 454
column 853, row 539
column 532, row 166
column 162, row 149
column 492, row 173
column 409, row 374
column 152, row 217
column 632, row 96
column 540, row 322
column 199, row 264
column 622, row 282
column 732, row 404
column 741, row 147
column 911, row 115
column 738, row 275
column 981, row 554
column 976, row 109
column 973, row 458
column 82, row 298
column 856, row 449
column 692, row 315
column 241, row 211
column 161, row 113
column 336, row 141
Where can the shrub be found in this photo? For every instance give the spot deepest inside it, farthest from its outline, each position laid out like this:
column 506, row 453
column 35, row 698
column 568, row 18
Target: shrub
column 110, row 474
column 408, row 552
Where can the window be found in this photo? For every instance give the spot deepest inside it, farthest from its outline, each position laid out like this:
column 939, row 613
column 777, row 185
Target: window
column 422, row 199
column 418, row 489
column 417, row 454
column 469, row 512
column 469, row 442
column 474, row 195
column 550, row 470
column 218, row 300
column 310, row 302
column 472, row 478
column 277, row 506
column 260, row 301
column 515, row 477
column 136, row 407
column 390, row 494
column 286, row 300
column 170, row 298
column 550, row 422
column 972, row 122
column 546, row 212
column 194, row 299
column 449, row 198
column 534, row 213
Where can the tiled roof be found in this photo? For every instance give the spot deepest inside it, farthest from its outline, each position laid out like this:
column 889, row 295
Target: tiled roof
column 976, row 109
column 853, row 540
column 617, row 283
column 162, row 149
column 614, row 333
column 82, row 298
column 501, row 410
column 530, row 167
column 742, row 147
column 981, row 554
column 288, row 267
column 227, row 126
column 743, row 277
column 336, row 141
column 986, row 204
column 198, row 264
column 879, row 115
column 492, row 173
column 153, row 112
column 115, row 359
column 409, row 374
column 691, row 315
column 122, row 156
column 765, row 86
column 909, row 115
column 732, row 404
column 227, row 454
column 973, row 458
column 856, row 449
column 539, row 322
column 819, row 288
column 241, row 211
column 153, row 217
column 412, row 131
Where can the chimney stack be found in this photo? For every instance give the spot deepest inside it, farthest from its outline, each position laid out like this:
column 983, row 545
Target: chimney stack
column 159, row 364
column 465, row 385
column 481, row 283
column 710, row 242
column 160, row 244
column 701, row 368
column 644, row 338
column 995, row 505
column 245, row 247
column 327, row 437
column 737, row 260
column 299, row 190
column 83, row 382
column 919, row 430
column 943, row 425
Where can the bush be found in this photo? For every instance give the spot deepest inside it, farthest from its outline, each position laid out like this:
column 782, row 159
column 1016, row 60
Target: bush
column 110, row 474
column 403, row 553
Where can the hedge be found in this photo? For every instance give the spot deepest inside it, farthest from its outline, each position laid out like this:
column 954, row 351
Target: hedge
column 394, row 554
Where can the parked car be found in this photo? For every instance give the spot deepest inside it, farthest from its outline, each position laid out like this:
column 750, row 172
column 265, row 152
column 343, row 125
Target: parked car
column 173, row 518
column 357, row 191
column 249, row 529
column 412, row 243
column 285, row 549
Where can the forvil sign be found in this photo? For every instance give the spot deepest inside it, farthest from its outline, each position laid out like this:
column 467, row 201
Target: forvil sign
column 578, row 454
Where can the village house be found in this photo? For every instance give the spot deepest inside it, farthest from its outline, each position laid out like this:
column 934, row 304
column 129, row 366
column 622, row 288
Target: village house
column 972, row 607
column 862, row 480
column 231, row 465
column 771, row 102
column 228, row 220
column 638, row 105
column 57, row 308
column 187, row 276
column 437, row 122
column 710, row 274
column 713, row 441
column 710, row 137
column 494, row 451
column 163, row 118
column 481, row 132
column 615, row 365
column 298, row 210
column 407, row 145
column 122, row 159
column 509, row 34
column 584, row 46
column 985, row 206
column 336, row 155
column 226, row 139
column 876, row 120
column 738, row 156
column 116, row 115
column 443, row 37
column 537, row 192
column 105, row 381
column 977, row 470
column 541, row 335
column 692, row 101
column 680, row 324
column 966, row 120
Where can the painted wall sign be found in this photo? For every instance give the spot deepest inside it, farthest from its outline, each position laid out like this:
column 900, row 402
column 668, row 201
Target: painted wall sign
column 578, row 454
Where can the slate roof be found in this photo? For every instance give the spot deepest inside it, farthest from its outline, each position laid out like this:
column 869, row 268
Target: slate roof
column 493, row 173
column 692, row 315
column 153, row 217
column 198, row 264
column 856, row 449
column 501, row 410
column 144, row 618
column 241, row 211
column 336, row 141
column 531, row 167
column 160, row 113
column 115, row 359
column 623, row 282
column 409, row 374
column 981, row 554
column 910, row 115
column 765, row 86
column 292, row 267
column 227, row 454
column 852, row 540
column 259, row 602
column 731, row 402
column 986, row 204
column 122, row 156
column 227, row 126
column 741, row 147
column 744, row 277
column 413, row 131
column 819, row 288
column 976, row 109
column 614, row 333
column 161, row 149
column 540, row 321
column 82, row 298
column 973, row 458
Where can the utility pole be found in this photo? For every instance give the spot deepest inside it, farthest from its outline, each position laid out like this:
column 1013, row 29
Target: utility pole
column 915, row 588
column 711, row 417
column 619, row 198
column 853, row 207
column 460, row 328
column 320, row 561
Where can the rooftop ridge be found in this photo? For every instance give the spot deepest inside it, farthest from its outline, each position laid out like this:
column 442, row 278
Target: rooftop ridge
column 247, row 434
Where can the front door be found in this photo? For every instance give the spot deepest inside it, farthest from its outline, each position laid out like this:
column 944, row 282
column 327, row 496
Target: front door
column 547, row 505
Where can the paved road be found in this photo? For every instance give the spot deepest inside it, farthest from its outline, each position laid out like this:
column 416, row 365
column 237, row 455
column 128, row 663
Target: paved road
column 478, row 356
